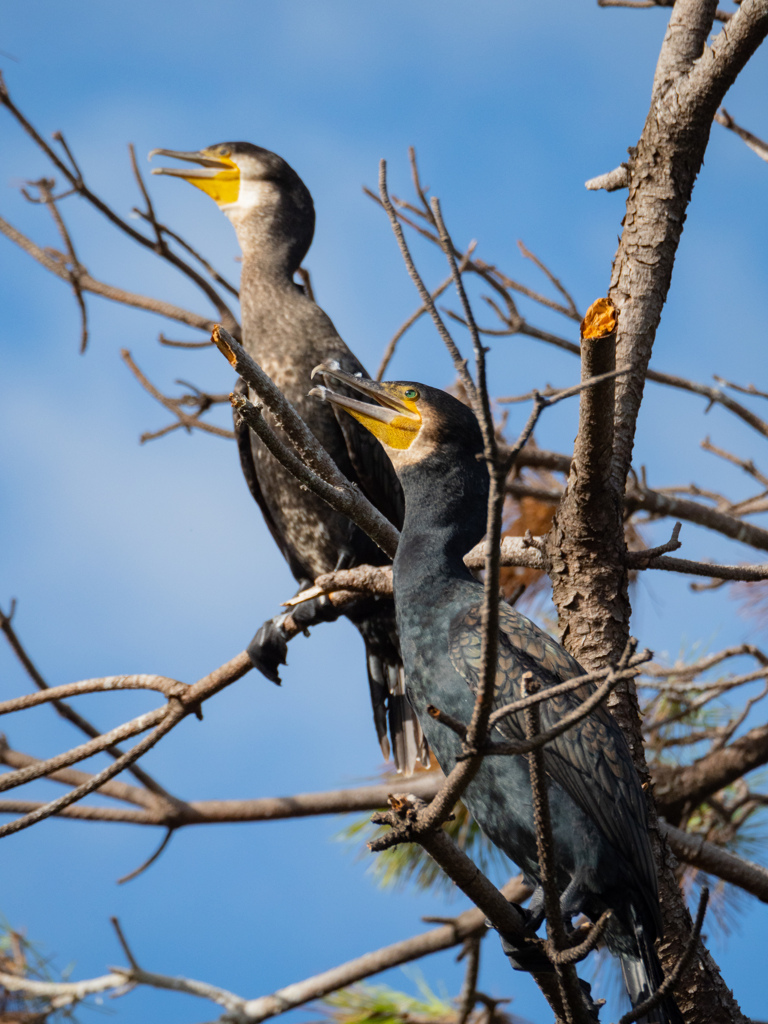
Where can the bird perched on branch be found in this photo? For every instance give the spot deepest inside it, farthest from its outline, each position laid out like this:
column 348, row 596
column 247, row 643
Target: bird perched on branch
column 601, row 846
column 273, row 215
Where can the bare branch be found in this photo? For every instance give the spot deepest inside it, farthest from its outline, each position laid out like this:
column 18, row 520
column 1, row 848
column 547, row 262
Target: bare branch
column 72, row 777
column 76, row 269
column 554, row 280
column 164, row 719
column 240, row 1011
column 392, row 345
column 696, row 851
column 146, row 864
column 215, row 812
column 746, row 464
column 64, row 710
column 746, row 573
column 161, row 684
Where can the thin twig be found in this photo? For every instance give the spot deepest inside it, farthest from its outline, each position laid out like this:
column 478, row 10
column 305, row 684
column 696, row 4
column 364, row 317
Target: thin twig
column 208, row 267
column 174, row 405
column 160, row 248
column 426, row 298
column 76, row 269
column 149, row 861
column 392, row 345
column 756, row 144
column 575, row 314
column 124, row 943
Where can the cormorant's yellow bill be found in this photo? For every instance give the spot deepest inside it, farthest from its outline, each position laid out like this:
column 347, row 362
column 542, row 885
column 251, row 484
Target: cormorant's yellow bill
column 218, row 175
column 395, row 420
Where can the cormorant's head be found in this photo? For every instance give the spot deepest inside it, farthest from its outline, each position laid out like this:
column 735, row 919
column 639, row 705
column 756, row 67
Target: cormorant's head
column 412, row 421
column 243, row 180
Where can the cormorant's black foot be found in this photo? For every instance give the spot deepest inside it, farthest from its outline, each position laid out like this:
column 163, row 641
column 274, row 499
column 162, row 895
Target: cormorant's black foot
column 269, row 649
column 317, row 609
column 535, row 913
column 593, row 1008
column 525, row 956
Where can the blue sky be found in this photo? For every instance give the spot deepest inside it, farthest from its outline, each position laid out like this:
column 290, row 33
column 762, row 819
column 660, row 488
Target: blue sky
column 126, row 558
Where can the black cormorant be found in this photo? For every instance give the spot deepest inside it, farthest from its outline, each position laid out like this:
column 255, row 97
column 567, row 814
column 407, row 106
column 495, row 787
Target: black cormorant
column 288, row 334
column 602, row 849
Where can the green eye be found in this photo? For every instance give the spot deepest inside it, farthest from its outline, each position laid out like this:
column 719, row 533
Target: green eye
column 223, row 151
column 411, row 393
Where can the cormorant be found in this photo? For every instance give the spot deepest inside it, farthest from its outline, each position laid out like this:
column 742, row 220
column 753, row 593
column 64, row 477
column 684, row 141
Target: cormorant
column 288, row 334
column 601, row 844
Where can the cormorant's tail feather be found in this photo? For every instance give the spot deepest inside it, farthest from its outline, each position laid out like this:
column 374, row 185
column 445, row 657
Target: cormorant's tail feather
column 391, row 707
column 642, row 976
column 408, row 739
column 377, row 683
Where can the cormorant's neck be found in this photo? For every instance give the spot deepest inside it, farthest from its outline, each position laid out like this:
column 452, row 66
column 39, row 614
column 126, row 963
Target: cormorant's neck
column 446, row 500
column 270, row 253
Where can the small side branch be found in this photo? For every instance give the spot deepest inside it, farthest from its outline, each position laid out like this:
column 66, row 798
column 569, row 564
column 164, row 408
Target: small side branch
column 612, row 181
column 755, row 144
column 199, row 400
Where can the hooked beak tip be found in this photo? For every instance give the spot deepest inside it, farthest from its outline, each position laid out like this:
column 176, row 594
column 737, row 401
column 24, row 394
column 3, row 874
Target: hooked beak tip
column 330, row 366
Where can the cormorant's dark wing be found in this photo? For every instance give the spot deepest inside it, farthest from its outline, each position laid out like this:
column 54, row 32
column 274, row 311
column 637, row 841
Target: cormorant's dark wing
column 374, row 471
column 592, row 761
column 243, row 439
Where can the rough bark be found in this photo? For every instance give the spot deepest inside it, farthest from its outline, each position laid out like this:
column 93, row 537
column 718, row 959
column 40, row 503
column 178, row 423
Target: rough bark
column 586, row 545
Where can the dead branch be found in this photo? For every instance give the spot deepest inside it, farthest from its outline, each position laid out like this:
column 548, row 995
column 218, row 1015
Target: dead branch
column 86, row 283
column 392, row 345
column 77, row 184
column 72, row 777
column 639, row 497
column 45, row 187
column 696, row 851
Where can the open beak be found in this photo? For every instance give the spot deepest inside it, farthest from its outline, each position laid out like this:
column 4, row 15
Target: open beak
column 218, row 176
column 388, row 408
column 391, row 417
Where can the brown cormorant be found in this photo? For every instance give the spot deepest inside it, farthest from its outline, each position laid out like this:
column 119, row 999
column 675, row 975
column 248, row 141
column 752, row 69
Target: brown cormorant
column 601, row 844
column 288, row 334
